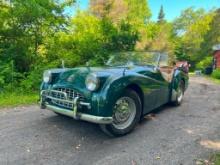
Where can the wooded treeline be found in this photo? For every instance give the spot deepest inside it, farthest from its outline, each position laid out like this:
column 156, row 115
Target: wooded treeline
column 37, row 34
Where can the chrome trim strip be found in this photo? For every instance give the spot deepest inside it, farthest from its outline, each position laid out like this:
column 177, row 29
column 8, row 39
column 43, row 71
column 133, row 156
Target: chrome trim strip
column 73, row 113
column 66, row 98
column 55, row 91
column 81, row 116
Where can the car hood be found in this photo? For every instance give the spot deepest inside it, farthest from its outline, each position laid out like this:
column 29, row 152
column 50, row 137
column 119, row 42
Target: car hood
column 75, row 78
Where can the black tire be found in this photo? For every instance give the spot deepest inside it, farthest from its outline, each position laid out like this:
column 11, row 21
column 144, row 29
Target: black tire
column 111, row 129
column 180, row 94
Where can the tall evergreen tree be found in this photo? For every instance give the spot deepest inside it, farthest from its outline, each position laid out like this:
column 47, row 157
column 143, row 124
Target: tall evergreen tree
column 161, row 16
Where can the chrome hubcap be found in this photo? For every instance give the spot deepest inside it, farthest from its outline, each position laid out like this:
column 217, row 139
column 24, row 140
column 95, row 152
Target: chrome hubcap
column 179, row 95
column 124, row 112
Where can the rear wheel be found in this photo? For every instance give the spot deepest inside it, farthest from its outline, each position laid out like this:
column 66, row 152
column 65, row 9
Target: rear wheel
column 126, row 114
column 180, row 93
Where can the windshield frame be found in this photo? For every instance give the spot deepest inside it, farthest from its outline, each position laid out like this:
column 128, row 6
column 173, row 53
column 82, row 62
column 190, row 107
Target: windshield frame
column 129, row 62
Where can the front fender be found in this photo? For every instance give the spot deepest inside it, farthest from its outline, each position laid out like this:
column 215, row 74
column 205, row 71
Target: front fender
column 103, row 101
column 114, row 87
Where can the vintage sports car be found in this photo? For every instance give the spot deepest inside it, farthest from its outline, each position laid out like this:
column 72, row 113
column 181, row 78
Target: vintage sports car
column 117, row 95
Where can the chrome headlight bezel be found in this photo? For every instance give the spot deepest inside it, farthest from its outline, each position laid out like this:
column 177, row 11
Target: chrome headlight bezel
column 47, row 76
column 92, row 82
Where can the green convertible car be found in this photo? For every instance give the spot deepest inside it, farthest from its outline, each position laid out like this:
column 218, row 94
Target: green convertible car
column 115, row 96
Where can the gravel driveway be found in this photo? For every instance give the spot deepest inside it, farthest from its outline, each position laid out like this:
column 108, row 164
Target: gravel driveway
column 172, row 136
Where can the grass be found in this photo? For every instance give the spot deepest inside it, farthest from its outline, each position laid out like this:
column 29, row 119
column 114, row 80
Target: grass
column 191, row 73
column 16, row 99
column 217, row 81
column 215, row 159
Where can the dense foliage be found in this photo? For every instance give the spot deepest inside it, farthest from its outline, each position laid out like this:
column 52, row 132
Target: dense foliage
column 216, row 74
column 37, row 34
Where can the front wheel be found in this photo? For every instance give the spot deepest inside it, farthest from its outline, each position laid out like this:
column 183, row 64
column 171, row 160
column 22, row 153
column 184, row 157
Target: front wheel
column 126, row 114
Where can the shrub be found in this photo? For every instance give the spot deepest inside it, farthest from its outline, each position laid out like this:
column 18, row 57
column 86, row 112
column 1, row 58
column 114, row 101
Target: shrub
column 206, row 62
column 34, row 78
column 216, row 74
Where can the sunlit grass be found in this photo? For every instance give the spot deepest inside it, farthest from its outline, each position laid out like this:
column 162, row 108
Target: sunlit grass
column 217, row 81
column 16, row 99
column 215, row 159
column 191, row 73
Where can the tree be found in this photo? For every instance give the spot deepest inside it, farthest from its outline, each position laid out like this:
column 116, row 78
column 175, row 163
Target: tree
column 135, row 12
column 188, row 17
column 191, row 28
column 24, row 26
column 129, row 17
column 161, row 16
column 100, row 8
column 194, row 37
column 212, row 37
column 138, row 12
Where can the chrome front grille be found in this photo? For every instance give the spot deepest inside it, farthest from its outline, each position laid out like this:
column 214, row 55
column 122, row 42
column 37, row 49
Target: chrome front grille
column 70, row 95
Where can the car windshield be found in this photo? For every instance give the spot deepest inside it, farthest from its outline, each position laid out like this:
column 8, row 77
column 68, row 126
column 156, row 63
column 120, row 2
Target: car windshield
column 134, row 58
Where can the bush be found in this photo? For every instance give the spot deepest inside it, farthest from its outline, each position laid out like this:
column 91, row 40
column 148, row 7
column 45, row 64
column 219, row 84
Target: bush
column 205, row 63
column 34, row 78
column 216, row 74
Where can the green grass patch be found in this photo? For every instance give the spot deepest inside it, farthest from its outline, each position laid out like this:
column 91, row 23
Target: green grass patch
column 15, row 99
column 215, row 159
column 191, row 73
column 217, row 81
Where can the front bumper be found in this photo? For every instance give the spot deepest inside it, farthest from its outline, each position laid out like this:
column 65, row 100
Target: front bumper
column 71, row 113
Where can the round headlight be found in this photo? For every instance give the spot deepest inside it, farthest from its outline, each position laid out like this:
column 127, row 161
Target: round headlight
column 92, row 82
column 47, row 77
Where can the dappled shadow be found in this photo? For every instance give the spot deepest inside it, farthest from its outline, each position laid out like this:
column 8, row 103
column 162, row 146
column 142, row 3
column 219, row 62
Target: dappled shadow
column 75, row 127
column 152, row 115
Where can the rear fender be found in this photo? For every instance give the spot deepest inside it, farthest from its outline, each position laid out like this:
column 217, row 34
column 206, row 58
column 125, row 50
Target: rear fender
column 178, row 76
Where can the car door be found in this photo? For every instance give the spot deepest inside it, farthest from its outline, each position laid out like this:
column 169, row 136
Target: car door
column 163, row 94
column 153, row 86
column 161, row 90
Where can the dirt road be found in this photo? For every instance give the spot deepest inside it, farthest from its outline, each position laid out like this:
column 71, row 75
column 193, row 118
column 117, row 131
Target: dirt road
column 174, row 136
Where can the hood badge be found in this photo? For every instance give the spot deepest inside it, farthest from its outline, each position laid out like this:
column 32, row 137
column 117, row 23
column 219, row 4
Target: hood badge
column 71, row 78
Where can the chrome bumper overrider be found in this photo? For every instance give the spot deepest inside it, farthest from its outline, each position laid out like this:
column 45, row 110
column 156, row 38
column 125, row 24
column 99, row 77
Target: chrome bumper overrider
column 71, row 113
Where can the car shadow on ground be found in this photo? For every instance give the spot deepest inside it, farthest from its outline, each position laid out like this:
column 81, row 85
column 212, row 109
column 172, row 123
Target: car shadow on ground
column 80, row 129
column 74, row 127
column 152, row 115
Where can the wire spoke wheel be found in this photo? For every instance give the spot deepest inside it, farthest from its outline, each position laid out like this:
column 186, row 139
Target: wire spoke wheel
column 180, row 94
column 124, row 112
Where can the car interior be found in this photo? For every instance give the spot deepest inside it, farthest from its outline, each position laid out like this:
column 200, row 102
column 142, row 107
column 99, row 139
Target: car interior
column 165, row 68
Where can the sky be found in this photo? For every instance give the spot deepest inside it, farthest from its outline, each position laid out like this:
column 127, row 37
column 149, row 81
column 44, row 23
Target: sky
column 172, row 8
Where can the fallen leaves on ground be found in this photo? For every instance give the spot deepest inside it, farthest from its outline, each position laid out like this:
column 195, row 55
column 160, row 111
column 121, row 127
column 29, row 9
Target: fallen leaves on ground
column 210, row 144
